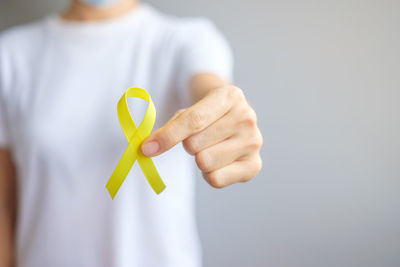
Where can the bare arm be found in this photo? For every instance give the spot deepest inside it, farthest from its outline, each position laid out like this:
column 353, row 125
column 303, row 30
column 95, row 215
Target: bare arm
column 7, row 208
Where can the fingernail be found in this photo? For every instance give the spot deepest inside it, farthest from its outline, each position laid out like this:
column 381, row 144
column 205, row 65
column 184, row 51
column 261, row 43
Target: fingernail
column 150, row 149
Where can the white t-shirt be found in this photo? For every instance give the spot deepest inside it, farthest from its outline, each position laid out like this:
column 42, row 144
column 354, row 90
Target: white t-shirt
column 59, row 87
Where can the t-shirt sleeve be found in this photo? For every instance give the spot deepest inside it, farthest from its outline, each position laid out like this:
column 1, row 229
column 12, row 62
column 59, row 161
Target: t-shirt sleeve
column 4, row 132
column 3, row 127
column 203, row 50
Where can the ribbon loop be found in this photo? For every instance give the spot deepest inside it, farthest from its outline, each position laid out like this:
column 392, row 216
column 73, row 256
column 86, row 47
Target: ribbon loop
column 135, row 136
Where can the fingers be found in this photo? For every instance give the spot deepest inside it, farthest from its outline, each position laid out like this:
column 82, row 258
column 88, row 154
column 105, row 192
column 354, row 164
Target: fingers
column 179, row 112
column 221, row 131
column 191, row 121
column 217, row 132
column 224, row 153
column 239, row 121
column 238, row 171
column 220, row 155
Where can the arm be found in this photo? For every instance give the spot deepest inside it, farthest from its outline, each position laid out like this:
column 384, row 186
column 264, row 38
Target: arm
column 220, row 130
column 7, row 208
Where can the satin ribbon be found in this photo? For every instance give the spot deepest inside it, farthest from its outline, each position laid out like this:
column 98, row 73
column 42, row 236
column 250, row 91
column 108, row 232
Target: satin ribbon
column 135, row 137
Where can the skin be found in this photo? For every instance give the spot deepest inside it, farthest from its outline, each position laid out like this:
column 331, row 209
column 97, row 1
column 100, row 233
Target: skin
column 220, row 130
column 79, row 11
column 7, row 208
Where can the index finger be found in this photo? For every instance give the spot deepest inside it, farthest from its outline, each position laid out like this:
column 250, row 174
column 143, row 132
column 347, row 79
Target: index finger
column 191, row 121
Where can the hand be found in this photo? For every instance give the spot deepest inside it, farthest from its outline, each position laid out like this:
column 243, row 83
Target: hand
column 220, row 131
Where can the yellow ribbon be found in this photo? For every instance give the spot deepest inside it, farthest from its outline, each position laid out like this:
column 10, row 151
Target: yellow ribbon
column 135, row 137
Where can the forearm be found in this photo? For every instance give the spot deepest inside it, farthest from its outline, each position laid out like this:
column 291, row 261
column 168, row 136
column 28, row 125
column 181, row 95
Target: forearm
column 7, row 209
column 6, row 240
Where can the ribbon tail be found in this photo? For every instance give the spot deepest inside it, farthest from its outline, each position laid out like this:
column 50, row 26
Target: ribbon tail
column 121, row 171
column 151, row 173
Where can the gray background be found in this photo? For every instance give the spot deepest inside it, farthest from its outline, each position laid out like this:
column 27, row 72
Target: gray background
column 324, row 77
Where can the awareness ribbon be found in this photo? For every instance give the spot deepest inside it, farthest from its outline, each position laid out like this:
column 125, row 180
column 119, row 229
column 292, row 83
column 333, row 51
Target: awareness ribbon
column 135, row 136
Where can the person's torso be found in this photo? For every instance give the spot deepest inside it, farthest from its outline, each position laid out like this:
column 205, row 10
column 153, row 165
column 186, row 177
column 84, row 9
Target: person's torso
column 67, row 140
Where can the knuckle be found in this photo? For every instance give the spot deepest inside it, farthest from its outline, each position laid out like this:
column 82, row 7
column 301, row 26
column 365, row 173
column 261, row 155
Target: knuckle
column 196, row 120
column 215, row 180
column 249, row 124
column 254, row 168
column 168, row 138
column 252, row 114
column 203, row 161
column 257, row 165
column 190, row 144
column 259, row 138
column 249, row 117
column 247, row 178
column 246, row 116
column 234, row 92
column 178, row 112
column 256, row 140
